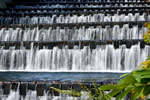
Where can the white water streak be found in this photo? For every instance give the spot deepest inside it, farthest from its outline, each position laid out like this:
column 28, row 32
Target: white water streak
column 102, row 58
column 74, row 19
column 82, row 33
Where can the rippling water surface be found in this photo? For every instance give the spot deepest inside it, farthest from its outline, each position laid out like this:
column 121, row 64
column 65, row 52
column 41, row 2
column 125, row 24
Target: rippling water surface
column 62, row 76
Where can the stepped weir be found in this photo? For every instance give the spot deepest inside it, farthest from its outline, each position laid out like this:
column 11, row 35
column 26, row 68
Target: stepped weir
column 57, row 43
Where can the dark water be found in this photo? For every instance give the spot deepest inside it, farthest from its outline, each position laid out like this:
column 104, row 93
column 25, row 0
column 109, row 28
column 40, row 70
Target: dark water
column 62, row 76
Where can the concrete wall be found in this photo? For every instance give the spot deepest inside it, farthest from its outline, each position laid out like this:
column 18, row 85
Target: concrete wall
column 3, row 3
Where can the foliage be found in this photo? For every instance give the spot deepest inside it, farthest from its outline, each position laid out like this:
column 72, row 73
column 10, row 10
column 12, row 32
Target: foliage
column 146, row 36
column 136, row 83
column 98, row 95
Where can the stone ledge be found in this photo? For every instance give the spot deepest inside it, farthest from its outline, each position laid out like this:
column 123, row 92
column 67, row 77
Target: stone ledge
column 40, row 87
column 72, row 25
column 78, row 13
column 61, row 44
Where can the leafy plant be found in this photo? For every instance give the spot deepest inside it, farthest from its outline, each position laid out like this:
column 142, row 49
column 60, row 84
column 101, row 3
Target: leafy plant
column 136, row 83
column 98, row 95
column 146, row 36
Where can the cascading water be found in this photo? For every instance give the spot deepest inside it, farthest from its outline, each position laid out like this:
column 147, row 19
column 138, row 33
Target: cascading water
column 14, row 94
column 103, row 58
column 71, row 21
column 91, row 0
column 74, row 19
column 19, row 93
column 74, row 6
column 31, row 95
column 81, row 33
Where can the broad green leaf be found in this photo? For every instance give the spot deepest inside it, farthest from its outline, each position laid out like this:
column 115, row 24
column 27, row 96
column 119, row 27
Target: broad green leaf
column 123, row 75
column 125, row 92
column 139, row 74
column 68, row 92
column 146, row 90
column 110, row 87
column 146, row 76
column 138, row 91
column 145, row 80
column 139, row 84
column 129, row 79
column 141, row 71
column 114, row 92
column 148, row 25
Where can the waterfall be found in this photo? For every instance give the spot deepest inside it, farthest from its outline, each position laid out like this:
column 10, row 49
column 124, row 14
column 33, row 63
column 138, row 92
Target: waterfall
column 75, row 6
column 46, row 94
column 91, row 0
column 66, row 33
column 32, row 95
column 74, row 18
column 103, row 58
column 54, row 43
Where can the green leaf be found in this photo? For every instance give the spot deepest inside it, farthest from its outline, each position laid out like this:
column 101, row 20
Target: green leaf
column 146, row 90
column 141, row 72
column 114, row 92
column 129, row 79
column 139, row 84
column 148, row 57
column 68, row 92
column 138, row 91
column 145, row 80
column 110, row 87
column 125, row 92
column 146, row 76
column 123, row 75
column 148, row 26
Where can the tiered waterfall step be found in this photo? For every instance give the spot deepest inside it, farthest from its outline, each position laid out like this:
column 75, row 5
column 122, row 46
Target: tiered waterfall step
column 113, row 55
column 79, row 0
column 73, row 19
column 73, row 9
column 77, row 25
column 80, row 31
column 98, row 40
column 74, row 4
column 78, row 13
column 69, row 44
column 40, row 87
column 42, row 12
